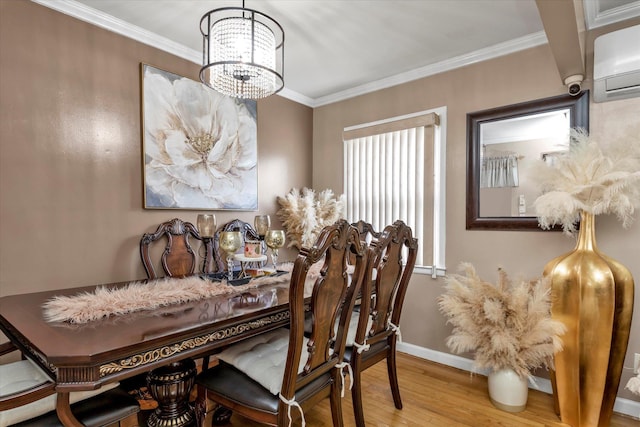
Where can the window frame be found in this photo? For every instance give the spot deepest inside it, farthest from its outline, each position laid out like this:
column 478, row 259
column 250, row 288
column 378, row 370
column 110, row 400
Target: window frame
column 438, row 266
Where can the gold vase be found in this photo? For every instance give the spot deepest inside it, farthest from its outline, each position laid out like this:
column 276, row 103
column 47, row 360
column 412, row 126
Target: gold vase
column 592, row 295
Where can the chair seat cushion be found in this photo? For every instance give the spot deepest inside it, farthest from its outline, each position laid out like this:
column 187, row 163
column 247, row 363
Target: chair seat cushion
column 23, row 375
column 373, row 351
column 19, row 376
column 225, row 380
column 104, row 409
column 263, row 358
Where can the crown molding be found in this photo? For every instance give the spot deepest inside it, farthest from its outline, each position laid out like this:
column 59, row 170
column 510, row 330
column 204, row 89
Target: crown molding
column 487, row 53
column 118, row 26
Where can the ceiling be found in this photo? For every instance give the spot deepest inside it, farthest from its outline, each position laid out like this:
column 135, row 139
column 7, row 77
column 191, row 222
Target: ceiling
column 336, row 49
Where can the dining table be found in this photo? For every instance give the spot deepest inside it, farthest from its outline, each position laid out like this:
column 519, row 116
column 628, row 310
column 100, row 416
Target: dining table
column 87, row 356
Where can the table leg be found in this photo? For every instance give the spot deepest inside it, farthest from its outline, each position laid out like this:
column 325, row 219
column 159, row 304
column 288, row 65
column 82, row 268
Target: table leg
column 63, row 409
column 170, row 386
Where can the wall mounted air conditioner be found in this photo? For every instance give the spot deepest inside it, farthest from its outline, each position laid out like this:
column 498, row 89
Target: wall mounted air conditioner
column 616, row 65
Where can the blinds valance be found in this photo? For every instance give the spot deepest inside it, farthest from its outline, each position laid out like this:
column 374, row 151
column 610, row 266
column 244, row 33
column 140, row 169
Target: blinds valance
column 378, row 128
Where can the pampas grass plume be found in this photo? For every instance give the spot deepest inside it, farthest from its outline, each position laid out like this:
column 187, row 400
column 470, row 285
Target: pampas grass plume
column 304, row 213
column 594, row 177
column 507, row 324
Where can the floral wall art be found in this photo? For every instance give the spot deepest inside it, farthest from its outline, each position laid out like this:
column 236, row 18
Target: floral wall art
column 199, row 147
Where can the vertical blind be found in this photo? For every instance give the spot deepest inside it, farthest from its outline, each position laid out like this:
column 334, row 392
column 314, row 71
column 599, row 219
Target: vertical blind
column 384, row 173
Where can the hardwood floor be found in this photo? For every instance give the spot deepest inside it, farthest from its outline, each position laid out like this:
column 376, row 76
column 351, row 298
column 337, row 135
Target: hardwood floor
column 435, row 395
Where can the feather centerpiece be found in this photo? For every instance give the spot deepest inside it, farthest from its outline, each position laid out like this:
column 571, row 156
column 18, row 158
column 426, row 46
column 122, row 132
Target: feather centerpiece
column 592, row 177
column 506, row 325
column 304, row 214
column 105, row 301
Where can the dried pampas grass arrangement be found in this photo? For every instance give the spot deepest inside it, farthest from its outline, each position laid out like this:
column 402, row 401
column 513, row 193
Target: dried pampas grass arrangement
column 593, row 177
column 304, row 214
column 507, row 325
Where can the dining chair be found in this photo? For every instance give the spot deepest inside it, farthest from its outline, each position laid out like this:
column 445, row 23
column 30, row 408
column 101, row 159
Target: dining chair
column 28, row 399
column 274, row 377
column 393, row 253
column 246, row 230
column 366, row 230
column 178, row 258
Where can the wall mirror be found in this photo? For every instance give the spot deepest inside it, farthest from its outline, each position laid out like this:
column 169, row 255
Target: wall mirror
column 502, row 145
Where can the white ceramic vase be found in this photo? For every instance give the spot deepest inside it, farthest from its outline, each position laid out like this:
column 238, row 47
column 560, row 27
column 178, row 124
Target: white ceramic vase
column 507, row 390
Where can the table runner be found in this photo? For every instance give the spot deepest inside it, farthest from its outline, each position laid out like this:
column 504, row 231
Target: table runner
column 104, row 301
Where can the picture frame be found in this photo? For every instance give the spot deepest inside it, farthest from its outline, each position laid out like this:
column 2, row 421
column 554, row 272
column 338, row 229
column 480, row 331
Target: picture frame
column 199, row 147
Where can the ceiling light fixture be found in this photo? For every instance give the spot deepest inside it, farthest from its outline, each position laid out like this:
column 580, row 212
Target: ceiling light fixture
column 243, row 53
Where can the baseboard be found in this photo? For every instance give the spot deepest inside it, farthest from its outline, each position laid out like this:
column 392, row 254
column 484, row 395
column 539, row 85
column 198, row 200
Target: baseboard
column 622, row 406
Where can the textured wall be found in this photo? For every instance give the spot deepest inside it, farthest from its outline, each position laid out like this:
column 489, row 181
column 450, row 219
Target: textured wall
column 70, row 151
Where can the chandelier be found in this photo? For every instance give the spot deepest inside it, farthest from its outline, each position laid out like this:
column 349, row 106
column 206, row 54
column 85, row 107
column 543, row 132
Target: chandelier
column 243, row 53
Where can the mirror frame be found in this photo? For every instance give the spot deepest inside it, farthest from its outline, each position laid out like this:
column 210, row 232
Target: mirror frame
column 579, row 107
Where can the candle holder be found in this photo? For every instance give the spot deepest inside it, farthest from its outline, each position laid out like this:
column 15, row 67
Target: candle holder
column 262, row 224
column 206, row 224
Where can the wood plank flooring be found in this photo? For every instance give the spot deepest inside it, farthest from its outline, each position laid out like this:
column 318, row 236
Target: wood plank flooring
column 435, row 395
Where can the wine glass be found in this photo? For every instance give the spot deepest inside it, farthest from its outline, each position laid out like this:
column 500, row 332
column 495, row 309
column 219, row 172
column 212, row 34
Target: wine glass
column 275, row 240
column 262, row 224
column 230, row 242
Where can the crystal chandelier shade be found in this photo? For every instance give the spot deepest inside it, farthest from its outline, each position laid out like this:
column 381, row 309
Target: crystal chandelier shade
column 243, row 53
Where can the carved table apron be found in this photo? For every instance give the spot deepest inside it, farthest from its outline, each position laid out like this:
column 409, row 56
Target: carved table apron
column 87, row 356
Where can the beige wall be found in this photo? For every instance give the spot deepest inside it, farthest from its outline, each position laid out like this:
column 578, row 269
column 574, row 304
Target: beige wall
column 519, row 77
column 70, row 151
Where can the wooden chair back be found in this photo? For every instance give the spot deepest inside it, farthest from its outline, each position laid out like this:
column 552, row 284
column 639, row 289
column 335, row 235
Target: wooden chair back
column 178, row 258
column 389, row 287
column 333, row 294
column 367, row 233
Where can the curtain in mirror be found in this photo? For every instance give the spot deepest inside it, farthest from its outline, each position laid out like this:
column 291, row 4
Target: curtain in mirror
column 499, row 171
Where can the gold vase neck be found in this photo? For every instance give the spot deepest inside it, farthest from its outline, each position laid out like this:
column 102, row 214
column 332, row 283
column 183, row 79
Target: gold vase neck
column 587, row 233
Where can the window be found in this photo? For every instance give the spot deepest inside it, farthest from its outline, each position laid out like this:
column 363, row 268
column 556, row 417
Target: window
column 394, row 169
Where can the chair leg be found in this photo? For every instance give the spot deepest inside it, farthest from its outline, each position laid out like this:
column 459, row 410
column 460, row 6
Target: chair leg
column 356, row 397
column 201, row 405
column 200, row 409
column 393, row 378
column 336, row 403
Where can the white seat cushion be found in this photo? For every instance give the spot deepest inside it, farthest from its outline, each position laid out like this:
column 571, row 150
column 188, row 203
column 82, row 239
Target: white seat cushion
column 353, row 328
column 23, row 375
column 263, row 358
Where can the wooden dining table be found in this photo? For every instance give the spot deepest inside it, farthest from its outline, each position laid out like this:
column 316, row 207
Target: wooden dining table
column 88, row 356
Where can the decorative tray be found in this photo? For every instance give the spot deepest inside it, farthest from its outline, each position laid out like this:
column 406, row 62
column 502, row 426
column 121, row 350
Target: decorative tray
column 238, row 278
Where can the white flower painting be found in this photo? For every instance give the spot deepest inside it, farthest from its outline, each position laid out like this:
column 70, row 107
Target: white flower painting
column 200, row 147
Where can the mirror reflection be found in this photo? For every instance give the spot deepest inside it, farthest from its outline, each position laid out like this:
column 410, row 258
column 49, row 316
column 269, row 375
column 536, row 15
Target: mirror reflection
column 503, row 144
column 509, row 150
